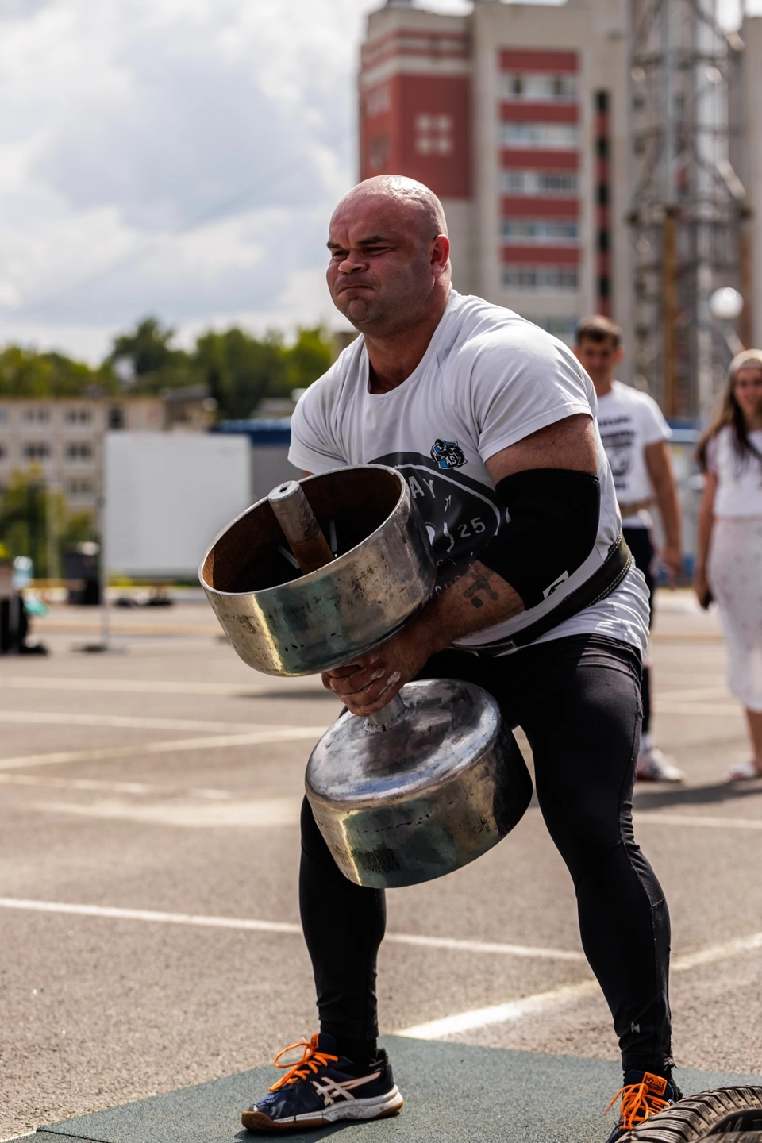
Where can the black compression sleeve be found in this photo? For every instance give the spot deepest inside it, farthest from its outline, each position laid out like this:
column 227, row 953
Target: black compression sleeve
column 550, row 528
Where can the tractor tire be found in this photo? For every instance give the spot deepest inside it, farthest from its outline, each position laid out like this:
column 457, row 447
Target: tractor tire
column 727, row 1114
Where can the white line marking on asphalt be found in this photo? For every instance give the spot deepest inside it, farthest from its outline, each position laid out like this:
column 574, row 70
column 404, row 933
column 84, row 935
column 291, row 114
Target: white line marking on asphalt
column 499, row 1013
column 694, row 694
column 122, row 721
column 139, row 750
column 113, row 787
column 245, row 924
column 557, row 998
column 251, row 813
column 696, row 821
column 705, row 708
column 144, row 686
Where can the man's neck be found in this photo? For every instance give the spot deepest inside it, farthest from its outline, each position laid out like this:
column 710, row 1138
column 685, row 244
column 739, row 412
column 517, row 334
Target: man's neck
column 392, row 359
column 603, row 388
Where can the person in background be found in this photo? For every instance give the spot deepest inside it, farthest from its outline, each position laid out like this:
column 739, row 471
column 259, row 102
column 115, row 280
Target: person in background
column 635, row 436
column 729, row 556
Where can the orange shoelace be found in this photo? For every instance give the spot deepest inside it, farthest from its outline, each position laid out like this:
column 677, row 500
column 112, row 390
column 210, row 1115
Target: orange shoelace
column 311, row 1060
column 641, row 1100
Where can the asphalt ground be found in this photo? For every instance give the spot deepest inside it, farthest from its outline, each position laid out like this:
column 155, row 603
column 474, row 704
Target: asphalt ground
column 149, row 929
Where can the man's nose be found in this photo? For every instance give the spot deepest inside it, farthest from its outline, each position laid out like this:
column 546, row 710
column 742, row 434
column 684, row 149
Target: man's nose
column 351, row 263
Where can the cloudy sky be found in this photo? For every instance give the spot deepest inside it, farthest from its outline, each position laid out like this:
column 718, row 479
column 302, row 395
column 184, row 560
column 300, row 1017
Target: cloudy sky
column 175, row 157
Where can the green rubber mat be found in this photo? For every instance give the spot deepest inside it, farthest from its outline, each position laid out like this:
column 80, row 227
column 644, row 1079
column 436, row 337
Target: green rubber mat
column 454, row 1093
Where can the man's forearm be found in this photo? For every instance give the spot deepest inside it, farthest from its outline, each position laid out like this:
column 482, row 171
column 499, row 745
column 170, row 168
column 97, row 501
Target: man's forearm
column 669, row 511
column 479, row 598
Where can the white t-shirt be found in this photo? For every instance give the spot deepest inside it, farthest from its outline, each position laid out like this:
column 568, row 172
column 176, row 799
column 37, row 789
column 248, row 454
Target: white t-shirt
column 739, row 479
column 487, row 379
column 628, row 421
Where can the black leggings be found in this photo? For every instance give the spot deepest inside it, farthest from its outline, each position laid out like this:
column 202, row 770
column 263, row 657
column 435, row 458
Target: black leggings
column 578, row 702
column 640, row 543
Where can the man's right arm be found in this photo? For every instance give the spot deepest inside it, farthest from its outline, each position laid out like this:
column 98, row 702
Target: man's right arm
column 659, row 467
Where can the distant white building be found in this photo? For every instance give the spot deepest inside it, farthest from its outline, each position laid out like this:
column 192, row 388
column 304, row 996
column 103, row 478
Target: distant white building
column 63, row 437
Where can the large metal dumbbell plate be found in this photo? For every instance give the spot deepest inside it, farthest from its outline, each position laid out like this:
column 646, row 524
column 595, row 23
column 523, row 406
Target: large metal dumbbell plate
column 430, row 793
column 283, row 622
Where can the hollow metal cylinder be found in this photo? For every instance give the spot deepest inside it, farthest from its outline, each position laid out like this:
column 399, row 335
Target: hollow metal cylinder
column 285, row 623
column 441, row 784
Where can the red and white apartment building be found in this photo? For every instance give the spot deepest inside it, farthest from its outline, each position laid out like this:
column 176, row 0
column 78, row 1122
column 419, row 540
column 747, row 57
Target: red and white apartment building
column 516, row 115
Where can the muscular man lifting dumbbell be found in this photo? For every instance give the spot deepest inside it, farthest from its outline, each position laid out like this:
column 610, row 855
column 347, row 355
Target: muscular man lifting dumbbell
column 490, row 419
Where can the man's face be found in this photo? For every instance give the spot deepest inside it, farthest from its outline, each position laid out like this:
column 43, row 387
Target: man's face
column 599, row 358
column 382, row 271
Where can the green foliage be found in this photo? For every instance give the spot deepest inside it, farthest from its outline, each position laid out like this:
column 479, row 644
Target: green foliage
column 36, row 522
column 237, row 369
column 27, row 373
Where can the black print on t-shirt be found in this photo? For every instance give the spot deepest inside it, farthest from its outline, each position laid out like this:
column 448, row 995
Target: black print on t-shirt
column 619, row 445
column 459, row 513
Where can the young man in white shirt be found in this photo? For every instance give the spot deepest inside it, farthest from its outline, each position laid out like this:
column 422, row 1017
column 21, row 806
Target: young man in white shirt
column 635, row 436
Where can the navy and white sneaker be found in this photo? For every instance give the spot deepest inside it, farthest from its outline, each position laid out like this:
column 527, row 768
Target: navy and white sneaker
column 322, row 1088
column 643, row 1096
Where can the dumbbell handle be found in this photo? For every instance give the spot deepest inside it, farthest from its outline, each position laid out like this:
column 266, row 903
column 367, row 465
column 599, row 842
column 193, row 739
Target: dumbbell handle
column 299, row 525
column 305, row 538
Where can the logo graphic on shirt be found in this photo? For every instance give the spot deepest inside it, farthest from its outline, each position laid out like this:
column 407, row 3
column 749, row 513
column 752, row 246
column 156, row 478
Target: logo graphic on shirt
column 458, row 513
column 619, row 444
column 447, row 454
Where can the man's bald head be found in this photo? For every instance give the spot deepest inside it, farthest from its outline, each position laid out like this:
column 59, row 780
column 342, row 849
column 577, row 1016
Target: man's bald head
column 390, row 256
column 408, row 194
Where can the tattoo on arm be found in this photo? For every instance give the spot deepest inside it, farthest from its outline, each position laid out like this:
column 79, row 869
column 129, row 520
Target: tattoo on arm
column 479, row 586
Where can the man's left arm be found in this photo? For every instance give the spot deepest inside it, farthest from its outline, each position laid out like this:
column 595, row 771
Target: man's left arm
column 659, row 467
column 480, row 597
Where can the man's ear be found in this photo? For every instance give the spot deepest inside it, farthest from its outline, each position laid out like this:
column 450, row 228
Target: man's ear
column 440, row 253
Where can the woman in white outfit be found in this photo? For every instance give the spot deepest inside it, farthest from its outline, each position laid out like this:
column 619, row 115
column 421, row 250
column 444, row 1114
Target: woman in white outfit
column 729, row 557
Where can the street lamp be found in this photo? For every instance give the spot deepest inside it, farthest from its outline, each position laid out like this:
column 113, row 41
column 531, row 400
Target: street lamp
column 725, row 306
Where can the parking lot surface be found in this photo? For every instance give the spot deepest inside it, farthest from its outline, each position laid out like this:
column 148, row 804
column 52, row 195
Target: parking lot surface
column 150, row 935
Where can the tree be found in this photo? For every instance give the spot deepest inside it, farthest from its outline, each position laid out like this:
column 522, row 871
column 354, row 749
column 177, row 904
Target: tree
column 146, row 350
column 35, row 521
column 26, row 373
column 308, row 358
column 239, row 370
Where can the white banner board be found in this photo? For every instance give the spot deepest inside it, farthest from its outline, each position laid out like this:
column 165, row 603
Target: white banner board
column 167, row 495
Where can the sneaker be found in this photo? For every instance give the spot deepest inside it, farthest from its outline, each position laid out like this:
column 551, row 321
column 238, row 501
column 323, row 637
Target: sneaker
column 643, row 1095
column 322, row 1087
column 744, row 772
column 654, row 766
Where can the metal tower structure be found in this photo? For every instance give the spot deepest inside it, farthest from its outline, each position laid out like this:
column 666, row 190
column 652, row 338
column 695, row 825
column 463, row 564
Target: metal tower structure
column 689, row 212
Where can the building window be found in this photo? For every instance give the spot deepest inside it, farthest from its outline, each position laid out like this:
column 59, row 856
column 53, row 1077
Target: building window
column 541, row 231
column 2, row 452
column 115, row 417
column 564, row 328
column 78, row 488
column 558, row 183
column 78, row 416
column 518, row 277
column 554, row 136
column 37, row 415
column 539, row 87
column 433, row 134
column 80, row 450
column 36, row 450
column 378, row 100
column 378, row 152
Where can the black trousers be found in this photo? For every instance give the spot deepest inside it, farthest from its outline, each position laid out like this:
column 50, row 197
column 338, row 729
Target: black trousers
column 640, row 543
column 578, row 702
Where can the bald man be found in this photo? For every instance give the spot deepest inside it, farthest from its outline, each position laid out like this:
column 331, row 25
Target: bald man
column 491, row 421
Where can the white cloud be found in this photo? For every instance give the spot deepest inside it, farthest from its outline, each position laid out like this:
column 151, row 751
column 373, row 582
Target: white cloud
column 180, row 157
